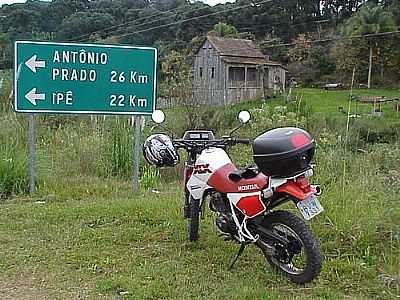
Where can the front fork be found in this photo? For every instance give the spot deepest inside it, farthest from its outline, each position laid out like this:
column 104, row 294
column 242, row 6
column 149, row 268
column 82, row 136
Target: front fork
column 186, row 206
column 186, row 175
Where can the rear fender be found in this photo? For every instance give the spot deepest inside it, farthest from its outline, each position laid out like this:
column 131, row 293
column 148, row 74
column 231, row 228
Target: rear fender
column 297, row 190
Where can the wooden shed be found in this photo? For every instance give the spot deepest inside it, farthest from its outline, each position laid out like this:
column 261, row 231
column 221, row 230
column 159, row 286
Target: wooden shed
column 228, row 71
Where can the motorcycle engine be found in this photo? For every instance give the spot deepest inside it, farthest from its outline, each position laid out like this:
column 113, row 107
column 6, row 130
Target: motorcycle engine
column 224, row 220
column 225, row 223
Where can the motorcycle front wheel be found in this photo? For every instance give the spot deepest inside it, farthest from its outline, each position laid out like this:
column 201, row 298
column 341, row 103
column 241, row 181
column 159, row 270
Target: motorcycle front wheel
column 300, row 257
column 193, row 221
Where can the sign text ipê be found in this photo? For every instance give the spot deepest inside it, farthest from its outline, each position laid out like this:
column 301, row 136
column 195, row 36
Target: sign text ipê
column 84, row 78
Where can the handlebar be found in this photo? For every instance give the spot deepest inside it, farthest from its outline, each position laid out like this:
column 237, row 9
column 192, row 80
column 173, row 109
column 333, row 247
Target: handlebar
column 199, row 145
column 242, row 141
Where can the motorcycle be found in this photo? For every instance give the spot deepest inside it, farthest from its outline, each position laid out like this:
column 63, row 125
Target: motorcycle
column 244, row 201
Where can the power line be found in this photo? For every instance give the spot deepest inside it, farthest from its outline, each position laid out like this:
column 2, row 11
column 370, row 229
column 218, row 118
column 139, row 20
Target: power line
column 135, row 22
column 194, row 18
column 279, row 23
column 86, row 35
column 386, row 33
column 159, row 13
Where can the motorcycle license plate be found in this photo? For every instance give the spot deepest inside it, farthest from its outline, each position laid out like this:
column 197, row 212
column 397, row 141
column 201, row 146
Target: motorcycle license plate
column 310, row 207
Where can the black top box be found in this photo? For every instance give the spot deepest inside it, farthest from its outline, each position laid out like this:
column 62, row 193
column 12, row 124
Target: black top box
column 283, row 152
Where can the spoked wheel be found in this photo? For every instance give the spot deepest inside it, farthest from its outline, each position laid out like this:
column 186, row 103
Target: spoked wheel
column 193, row 221
column 300, row 258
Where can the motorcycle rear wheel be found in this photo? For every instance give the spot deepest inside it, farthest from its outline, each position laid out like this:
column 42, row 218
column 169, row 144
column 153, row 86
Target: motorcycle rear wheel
column 303, row 248
column 193, row 221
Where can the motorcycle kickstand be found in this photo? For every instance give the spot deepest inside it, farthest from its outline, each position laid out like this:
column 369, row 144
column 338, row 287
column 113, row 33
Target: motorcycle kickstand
column 240, row 252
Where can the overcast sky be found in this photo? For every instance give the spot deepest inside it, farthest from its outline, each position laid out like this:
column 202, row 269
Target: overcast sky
column 210, row 2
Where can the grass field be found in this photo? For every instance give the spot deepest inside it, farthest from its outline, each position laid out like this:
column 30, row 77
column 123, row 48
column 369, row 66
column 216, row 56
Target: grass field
column 328, row 102
column 85, row 235
column 108, row 246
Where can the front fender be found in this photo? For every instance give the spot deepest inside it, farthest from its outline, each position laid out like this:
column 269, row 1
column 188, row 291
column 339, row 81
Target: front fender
column 197, row 188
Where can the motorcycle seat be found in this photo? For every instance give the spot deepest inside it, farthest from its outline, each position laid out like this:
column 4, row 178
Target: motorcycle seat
column 247, row 173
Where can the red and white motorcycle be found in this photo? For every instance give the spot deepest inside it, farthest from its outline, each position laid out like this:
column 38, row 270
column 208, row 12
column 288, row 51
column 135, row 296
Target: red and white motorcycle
column 244, row 201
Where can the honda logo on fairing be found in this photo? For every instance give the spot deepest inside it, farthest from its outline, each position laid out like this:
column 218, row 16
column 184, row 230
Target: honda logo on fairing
column 248, row 187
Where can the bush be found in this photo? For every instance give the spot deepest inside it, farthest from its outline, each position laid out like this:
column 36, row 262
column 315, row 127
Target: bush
column 372, row 132
column 268, row 117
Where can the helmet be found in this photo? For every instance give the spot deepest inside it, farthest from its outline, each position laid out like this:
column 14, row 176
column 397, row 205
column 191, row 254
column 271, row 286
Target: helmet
column 158, row 150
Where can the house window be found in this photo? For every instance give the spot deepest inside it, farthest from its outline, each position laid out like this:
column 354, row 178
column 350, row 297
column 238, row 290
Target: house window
column 236, row 76
column 212, row 72
column 201, row 72
column 251, row 77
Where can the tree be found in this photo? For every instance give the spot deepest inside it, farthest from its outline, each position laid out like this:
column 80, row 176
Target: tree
column 346, row 54
column 309, row 62
column 82, row 23
column 4, row 42
column 224, row 30
column 370, row 19
column 5, row 51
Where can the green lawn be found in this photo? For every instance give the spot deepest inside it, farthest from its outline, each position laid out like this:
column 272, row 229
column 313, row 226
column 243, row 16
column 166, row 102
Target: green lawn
column 137, row 246
column 328, row 102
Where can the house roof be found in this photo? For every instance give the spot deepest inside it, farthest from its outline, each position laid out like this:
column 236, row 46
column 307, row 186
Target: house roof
column 244, row 60
column 235, row 47
column 273, row 63
column 240, row 51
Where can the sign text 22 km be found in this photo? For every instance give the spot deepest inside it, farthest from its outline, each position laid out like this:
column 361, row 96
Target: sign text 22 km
column 84, row 78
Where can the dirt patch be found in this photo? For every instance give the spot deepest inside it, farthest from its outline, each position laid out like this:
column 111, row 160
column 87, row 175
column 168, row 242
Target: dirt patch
column 21, row 286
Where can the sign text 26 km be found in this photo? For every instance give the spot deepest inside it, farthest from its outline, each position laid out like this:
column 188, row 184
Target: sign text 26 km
column 84, row 78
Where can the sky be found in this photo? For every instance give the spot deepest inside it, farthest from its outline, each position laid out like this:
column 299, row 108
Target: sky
column 210, row 2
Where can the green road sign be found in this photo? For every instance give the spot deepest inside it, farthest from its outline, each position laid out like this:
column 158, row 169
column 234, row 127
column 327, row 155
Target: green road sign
column 84, row 78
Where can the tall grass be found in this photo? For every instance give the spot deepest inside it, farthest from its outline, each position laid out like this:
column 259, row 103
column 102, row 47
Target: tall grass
column 117, row 159
column 13, row 174
column 149, row 178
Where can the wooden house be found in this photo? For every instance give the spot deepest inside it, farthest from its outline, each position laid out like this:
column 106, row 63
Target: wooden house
column 228, row 71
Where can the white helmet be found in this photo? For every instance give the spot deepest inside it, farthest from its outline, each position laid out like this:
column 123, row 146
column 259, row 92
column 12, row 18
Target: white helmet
column 158, row 150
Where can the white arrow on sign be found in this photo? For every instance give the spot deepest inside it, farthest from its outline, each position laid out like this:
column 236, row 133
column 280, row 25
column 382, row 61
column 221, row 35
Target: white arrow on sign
column 31, row 96
column 32, row 63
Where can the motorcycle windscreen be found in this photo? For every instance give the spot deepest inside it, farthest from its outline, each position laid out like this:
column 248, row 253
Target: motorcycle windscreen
column 250, row 204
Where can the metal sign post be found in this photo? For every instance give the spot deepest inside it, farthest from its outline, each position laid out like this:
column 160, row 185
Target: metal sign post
column 31, row 153
column 136, row 153
column 80, row 78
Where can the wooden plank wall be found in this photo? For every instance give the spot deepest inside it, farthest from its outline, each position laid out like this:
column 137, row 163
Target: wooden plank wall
column 216, row 91
column 207, row 89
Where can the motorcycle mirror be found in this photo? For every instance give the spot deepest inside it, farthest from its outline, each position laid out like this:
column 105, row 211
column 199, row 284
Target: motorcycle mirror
column 158, row 116
column 244, row 116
